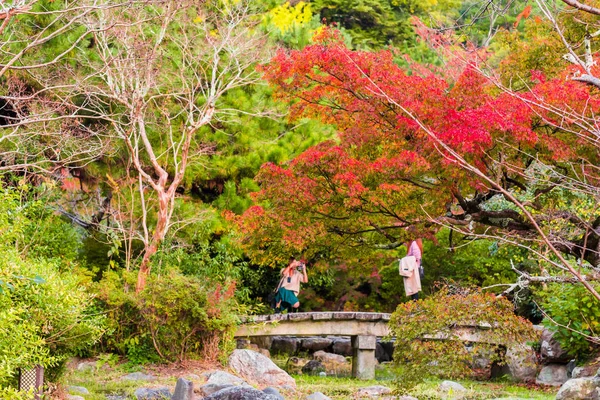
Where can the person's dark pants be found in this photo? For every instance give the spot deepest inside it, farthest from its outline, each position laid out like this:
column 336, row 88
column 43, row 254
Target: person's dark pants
column 414, row 296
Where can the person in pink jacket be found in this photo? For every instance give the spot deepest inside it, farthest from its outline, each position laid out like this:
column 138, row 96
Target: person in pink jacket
column 415, row 248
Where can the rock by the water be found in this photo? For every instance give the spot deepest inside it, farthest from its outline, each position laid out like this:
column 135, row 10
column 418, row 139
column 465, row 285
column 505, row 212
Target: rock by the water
column 138, row 376
column 222, row 378
column 316, row 344
column 373, row 391
column 284, row 344
column 152, row 394
column 240, row 393
column 553, row 375
column 317, row 396
column 258, row 369
column 184, row 390
column 342, row 347
column 78, row 389
column 313, row 367
column 550, row 349
column 522, row 363
column 580, row 389
column 273, row 392
column 452, row 389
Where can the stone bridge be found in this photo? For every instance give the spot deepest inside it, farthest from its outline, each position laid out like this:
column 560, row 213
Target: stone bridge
column 362, row 327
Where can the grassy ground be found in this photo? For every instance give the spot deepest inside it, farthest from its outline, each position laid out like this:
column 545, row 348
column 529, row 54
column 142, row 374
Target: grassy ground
column 107, row 381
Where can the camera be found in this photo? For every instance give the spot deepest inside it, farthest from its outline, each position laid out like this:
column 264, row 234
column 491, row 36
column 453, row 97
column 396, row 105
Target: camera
column 301, row 267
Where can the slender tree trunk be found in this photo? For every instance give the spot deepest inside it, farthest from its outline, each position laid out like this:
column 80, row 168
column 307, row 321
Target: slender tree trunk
column 162, row 222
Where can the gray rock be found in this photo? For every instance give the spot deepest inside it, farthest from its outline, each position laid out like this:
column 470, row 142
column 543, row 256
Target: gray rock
column 552, row 375
column 263, row 342
column 273, row 392
column 580, row 389
column 373, row 391
column 73, row 397
column 87, row 366
column 240, row 393
column 116, row 397
column 211, row 388
column 452, row 389
column 78, row 389
column 550, row 350
column 585, row 371
column 258, row 369
column 138, row 376
column 334, row 364
column 522, row 363
column 283, row 344
column 316, row 344
column 152, row 394
column 313, row 367
column 184, row 390
column 322, row 374
column 317, row 396
column 342, row 347
column 223, row 378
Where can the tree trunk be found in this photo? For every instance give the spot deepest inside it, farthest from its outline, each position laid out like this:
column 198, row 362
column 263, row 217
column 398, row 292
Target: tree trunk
column 162, row 223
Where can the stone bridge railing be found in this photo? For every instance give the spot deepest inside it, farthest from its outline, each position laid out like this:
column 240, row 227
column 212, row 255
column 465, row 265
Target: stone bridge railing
column 362, row 327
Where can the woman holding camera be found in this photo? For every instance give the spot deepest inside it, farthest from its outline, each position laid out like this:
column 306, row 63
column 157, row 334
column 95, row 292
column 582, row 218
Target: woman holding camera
column 289, row 287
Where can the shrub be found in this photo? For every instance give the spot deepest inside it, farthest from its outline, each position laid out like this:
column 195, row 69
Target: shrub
column 44, row 317
column 576, row 314
column 176, row 317
column 442, row 315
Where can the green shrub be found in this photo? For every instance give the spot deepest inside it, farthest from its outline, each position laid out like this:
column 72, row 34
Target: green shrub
column 443, row 314
column 44, row 317
column 174, row 318
column 576, row 314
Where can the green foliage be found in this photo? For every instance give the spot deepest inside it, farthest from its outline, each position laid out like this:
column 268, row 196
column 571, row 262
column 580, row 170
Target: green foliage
column 44, row 316
column 577, row 314
column 176, row 317
column 442, row 314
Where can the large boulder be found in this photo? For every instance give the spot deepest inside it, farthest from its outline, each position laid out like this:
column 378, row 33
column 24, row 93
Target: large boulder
column 552, row 375
column 550, row 349
column 580, row 389
column 334, row 364
column 258, row 369
column 342, row 347
column 240, row 393
column 316, row 343
column 522, row 363
column 222, row 378
column 284, row 344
